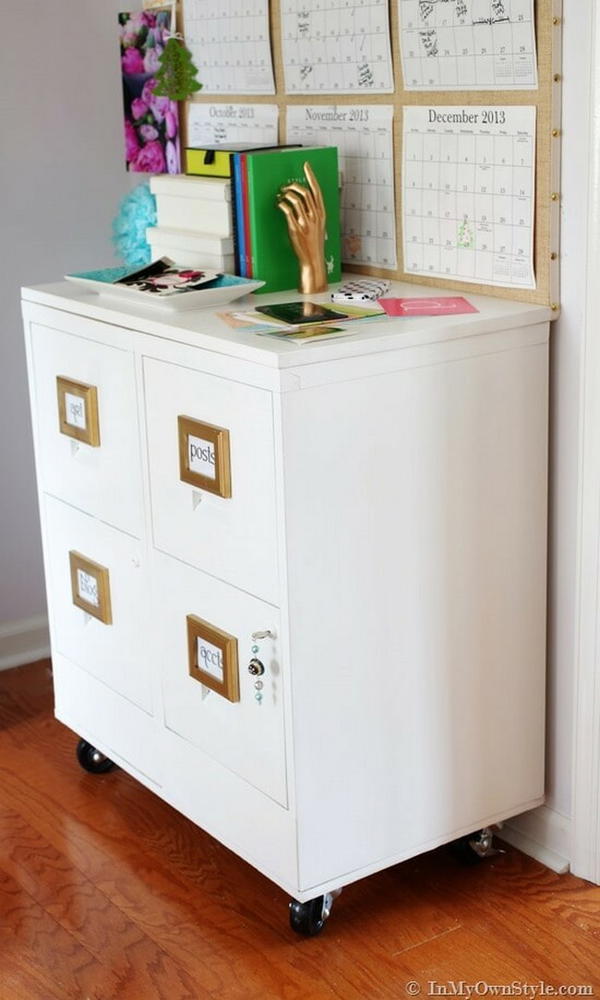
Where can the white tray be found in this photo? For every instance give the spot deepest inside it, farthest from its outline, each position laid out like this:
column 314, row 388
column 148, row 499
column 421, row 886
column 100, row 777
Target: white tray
column 101, row 282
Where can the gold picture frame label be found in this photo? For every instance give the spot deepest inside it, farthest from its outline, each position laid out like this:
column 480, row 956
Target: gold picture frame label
column 213, row 658
column 90, row 587
column 78, row 410
column 204, row 456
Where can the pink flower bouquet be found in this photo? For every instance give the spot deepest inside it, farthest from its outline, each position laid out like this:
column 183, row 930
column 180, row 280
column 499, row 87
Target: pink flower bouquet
column 151, row 122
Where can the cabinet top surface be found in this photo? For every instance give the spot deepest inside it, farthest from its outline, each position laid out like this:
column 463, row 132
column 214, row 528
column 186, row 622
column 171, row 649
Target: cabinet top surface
column 204, row 328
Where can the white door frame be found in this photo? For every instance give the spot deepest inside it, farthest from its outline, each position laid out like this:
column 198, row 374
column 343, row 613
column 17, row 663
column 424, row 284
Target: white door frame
column 585, row 826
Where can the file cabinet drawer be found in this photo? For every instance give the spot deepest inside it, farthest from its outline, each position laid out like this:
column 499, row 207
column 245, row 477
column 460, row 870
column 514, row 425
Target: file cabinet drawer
column 100, row 605
column 205, row 634
column 212, row 475
column 87, row 426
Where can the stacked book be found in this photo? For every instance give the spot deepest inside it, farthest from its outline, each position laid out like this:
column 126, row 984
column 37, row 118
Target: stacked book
column 262, row 246
column 194, row 222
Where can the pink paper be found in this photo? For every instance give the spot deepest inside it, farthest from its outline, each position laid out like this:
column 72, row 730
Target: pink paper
column 441, row 306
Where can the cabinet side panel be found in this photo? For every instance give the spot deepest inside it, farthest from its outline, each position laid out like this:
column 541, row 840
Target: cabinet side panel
column 416, row 515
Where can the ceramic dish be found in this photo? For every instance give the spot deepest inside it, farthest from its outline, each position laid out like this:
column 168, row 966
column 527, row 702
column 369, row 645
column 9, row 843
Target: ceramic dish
column 227, row 288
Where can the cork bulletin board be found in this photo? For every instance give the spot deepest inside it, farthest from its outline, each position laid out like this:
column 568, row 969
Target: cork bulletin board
column 546, row 99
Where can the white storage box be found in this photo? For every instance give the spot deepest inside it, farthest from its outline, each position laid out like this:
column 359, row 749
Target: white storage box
column 193, row 204
column 180, row 186
column 192, row 249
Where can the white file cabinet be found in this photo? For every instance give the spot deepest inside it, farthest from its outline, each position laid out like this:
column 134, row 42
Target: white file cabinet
column 299, row 591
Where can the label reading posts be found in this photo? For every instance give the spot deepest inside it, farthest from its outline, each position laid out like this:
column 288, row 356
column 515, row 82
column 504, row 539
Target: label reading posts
column 90, row 587
column 201, row 456
column 204, row 459
column 78, row 411
column 213, row 658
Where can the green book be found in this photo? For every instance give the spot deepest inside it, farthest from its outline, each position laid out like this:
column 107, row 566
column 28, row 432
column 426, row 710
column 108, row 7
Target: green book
column 272, row 256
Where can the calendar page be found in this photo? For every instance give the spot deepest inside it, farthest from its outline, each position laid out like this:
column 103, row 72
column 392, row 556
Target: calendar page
column 230, row 45
column 363, row 136
column 468, row 44
column 469, row 193
column 336, row 45
column 219, row 124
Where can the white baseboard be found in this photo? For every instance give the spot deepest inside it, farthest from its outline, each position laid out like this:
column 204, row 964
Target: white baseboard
column 24, row 641
column 543, row 834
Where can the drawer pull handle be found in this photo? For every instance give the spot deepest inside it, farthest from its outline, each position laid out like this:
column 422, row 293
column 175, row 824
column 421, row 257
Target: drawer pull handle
column 266, row 633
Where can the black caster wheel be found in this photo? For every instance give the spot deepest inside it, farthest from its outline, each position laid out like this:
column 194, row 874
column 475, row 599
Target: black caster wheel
column 475, row 847
column 91, row 759
column 309, row 919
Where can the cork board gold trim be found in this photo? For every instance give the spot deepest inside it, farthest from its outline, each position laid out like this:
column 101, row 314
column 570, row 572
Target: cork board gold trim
column 546, row 99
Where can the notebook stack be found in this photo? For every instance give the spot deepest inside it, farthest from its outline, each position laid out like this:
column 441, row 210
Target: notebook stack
column 262, row 244
column 194, row 222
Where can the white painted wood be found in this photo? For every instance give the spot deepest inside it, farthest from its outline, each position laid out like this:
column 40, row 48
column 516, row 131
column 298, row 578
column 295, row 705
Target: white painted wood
column 245, row 736
column 229, row 808
column 117, row 654
column 204, row 329
column 105, row 481
column 24, row 641
column 543, row 834
column 426, row 353
column 226, row 806
column 234, row 538
column 153, row 343
column 398, row 482
column 493, row 819
column 585, row 847
column 418, row 609
column 113, row 724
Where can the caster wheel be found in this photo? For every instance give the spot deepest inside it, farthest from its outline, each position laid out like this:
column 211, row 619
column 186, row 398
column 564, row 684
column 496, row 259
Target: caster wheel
column 475, row 847
column 91, row 759
column 309, row 919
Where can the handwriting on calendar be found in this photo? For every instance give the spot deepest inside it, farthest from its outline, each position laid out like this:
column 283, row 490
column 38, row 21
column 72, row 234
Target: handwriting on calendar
column 468, row 44
column 336, row 45
column 468, row 194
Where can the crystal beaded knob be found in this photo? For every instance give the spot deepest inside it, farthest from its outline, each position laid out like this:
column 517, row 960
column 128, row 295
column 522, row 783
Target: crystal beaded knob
column 255, row 667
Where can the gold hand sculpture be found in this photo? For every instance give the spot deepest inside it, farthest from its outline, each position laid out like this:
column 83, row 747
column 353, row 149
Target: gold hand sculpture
column 304, row 211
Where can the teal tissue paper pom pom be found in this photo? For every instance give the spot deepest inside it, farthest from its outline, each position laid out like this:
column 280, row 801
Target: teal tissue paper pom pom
column 136, row 212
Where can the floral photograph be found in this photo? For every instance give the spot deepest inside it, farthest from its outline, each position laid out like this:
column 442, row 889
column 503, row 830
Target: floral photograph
column 151, row 122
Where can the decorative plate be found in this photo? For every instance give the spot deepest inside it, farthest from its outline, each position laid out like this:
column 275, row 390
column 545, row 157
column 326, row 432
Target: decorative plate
column 226, row 288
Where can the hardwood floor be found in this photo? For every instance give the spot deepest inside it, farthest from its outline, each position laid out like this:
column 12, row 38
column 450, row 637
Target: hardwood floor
column 106, row 892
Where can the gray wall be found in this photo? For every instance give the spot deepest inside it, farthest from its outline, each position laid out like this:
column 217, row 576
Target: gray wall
column 61, row 177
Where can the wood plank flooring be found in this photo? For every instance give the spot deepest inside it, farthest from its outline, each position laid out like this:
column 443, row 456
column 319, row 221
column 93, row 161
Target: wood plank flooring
column 106, row 893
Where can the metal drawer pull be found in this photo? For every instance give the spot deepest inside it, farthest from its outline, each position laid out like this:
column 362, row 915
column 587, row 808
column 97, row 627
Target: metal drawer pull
column 264, row 634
